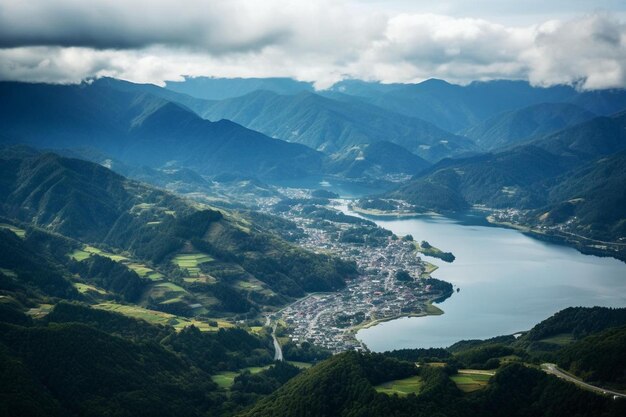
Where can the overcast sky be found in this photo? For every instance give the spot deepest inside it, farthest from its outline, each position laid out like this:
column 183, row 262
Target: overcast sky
column 546, row 42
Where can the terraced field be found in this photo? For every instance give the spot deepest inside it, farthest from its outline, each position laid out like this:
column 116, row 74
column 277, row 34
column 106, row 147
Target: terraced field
column 191, row 262
column 159, row 317
column 87, row 251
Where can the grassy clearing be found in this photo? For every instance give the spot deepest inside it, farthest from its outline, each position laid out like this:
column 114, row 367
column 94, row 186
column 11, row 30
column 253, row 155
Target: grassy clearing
column 256, row 329
column 87, row 251
column 20, row 232
column 85, row 288
column 191, row 262
column 165, row 292
column 225, row 380
column 141, row 269
column 205, row 279
column 470, row 382
column 159, row 317
column 255, row 369
column 145, row 271
column 41, row 311
column 255, row 285
column 401, row 387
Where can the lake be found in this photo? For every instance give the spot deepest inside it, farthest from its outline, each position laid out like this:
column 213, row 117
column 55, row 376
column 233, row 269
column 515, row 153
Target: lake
column 508, row 282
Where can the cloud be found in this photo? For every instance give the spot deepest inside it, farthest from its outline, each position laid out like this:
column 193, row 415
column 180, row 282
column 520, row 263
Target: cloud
column 588, row 51
column 323, row 41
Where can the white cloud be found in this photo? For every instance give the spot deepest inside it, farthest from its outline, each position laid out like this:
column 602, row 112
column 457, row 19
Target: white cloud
column 323, row 41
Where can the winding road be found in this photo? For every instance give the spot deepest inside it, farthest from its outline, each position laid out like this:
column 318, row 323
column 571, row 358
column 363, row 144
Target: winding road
column 552, row 369
column 278, row 351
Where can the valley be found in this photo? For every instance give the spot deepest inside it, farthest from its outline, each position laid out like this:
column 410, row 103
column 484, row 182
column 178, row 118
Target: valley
column 347, row 242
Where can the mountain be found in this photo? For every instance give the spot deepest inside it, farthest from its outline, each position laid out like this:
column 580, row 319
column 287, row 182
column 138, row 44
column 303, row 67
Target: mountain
column 598, row 137
column 376, row 160
column 329, row 125
column 344, row 386
column 456, row 108
column 516, row 126
column 571, row 183
column 506, row 178
column 162, row 235
column 209, row 88
column 592, row 199
column 140, row 128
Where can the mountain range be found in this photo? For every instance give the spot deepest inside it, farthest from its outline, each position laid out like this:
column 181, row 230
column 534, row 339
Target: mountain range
column 140, row 128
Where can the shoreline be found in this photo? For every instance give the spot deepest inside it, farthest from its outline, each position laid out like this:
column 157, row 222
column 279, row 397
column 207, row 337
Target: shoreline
column 435, row 311
column 570, row 241
column 392, row 213
column 431, row 310
column 567, row 240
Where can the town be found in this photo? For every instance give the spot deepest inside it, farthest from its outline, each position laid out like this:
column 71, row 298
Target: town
column 331, row 320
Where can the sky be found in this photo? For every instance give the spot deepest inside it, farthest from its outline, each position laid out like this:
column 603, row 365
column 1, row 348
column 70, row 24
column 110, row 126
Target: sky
column 548, row 42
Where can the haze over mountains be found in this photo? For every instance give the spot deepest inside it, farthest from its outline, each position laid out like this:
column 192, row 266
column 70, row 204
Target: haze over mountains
column 500, row 144
column 177, row 286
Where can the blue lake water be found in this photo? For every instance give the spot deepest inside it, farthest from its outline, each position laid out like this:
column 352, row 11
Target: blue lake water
column 508, row 282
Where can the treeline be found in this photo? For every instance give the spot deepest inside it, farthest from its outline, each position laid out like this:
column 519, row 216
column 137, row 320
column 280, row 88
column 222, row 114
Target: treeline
column 85, row 362
column 578, row 321
column 341, row 386
column 305, row 352
column 30, row 264
column 112, row 276
column 598, row 358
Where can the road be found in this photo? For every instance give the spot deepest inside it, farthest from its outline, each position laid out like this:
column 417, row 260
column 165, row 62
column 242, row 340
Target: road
column 278, row 351
column 551, row 368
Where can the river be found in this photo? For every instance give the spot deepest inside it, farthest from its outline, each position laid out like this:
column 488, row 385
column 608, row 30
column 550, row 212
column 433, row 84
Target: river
column 508, row 282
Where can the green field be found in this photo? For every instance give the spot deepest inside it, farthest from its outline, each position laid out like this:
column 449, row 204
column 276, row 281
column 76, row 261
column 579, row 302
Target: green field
column 41, row 311
column 191, row 262
column 144, row 271
column 141, row 269
column 401, row 387
column 87, row 251
column 20, row 232
column 470, row 382
column 225, row 379
column 167, row 292
column 85, row 288
column 159, row 317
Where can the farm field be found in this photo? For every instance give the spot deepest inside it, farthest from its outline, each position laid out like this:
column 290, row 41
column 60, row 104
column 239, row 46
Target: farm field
column 159, row 317
column 87, row 251
column 166, row 292
column 85, row 288
column 226, row 379
column 401, row 387
column 469, row 381
column 191, row 262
